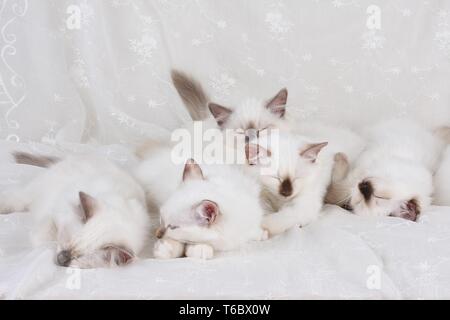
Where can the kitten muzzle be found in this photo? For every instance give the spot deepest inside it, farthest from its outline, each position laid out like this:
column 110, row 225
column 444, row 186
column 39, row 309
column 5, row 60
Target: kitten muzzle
column 64, row 258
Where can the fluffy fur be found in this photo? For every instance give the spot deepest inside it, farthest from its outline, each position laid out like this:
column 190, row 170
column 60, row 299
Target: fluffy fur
column 91, row 209
column 295, row 189
column 393, row 175
column 192, row 95
column 250, row 114
column 199, row 207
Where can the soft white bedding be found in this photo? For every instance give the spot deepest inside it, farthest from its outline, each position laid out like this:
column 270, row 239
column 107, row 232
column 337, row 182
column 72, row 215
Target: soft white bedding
column 339, row 256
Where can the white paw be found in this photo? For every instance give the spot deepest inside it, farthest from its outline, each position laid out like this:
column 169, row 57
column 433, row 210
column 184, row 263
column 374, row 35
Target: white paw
column 264, row 235
column 269, row 226
column 201, row 251
column 168, row 249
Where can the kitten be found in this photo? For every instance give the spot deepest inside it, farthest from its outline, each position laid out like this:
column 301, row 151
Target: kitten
column 252, row 117
column 295, row 185
column 90, row 208
column 393, row 174
column 209, row 209
column 250, row 114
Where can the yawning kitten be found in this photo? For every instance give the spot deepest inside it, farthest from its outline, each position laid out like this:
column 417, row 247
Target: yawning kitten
column 295, row 185
column 250, row 114
column 215, row 207
column 393, row 175
column 91, row 209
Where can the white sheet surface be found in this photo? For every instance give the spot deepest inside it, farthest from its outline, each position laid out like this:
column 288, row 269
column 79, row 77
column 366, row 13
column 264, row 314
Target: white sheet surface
column 339, row 256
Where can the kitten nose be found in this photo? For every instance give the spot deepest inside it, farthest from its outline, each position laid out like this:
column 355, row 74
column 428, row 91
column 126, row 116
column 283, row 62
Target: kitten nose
column 63, row 258
column 286, row 188
column 366, row 189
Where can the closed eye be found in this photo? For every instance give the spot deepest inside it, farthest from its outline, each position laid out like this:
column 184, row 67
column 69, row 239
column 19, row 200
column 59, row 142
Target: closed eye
column 382, row 198
column 275, row 177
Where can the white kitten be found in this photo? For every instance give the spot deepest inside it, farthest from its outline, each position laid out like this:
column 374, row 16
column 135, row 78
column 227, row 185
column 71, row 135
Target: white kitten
column 295, row 186
column 393, row 175
column 215, row 207
column 93, row 210
column 250, row 114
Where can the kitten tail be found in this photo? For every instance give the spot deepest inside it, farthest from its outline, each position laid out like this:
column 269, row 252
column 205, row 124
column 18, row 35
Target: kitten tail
column 34, row 160
column 192, row 94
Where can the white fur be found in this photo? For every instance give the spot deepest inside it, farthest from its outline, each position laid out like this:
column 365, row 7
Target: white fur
column 309, row 182
column 236, row 195
column 119, row 220
column 253, row 112
column 442, row 181
column 399, row 159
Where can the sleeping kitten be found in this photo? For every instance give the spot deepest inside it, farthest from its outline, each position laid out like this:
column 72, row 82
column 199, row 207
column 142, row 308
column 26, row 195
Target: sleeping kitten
column 215, row 207
column 250, row 114
column 294, row 190
column 393, row 175
column 93, row 210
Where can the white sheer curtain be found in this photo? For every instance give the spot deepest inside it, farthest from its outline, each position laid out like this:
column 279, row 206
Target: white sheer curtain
column 105, row 77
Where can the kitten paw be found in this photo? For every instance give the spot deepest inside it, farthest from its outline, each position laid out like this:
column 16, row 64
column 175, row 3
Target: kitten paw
column 168, row 249
column 264, row 235
column 201, row 251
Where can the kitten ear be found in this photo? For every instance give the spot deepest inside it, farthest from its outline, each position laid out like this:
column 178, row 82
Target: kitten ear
column 254, row 152
column 408, row 210
column 206, row 212
column 192, row 171
column 277, row 105
column 88, row 205
column 220, row 113
column 341, row 167
column 311, row 151
column 119, row 255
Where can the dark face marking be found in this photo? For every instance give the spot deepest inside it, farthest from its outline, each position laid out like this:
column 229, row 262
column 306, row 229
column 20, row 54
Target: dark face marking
column 64, row 258
column 366, row 189
column 286, row 188
column 409, row 210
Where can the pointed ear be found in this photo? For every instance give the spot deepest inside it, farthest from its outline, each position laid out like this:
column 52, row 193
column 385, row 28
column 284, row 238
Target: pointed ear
column 408, row 210
column 311, row 151
column 120, row 256
column 192, row 171
column 88, row 205
column 341, row 167
column 277, row 105
column 206, row 212
column 220, row 113
column 254, row 152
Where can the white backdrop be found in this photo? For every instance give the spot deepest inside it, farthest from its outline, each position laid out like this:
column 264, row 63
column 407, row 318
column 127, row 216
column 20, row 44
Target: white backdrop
column 105, row 77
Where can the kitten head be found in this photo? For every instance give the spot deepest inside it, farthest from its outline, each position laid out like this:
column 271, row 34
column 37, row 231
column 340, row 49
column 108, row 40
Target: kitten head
column 97, row 236
column 252, row 114
column 394, row 188
column 192, row 208
column 294, row 159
